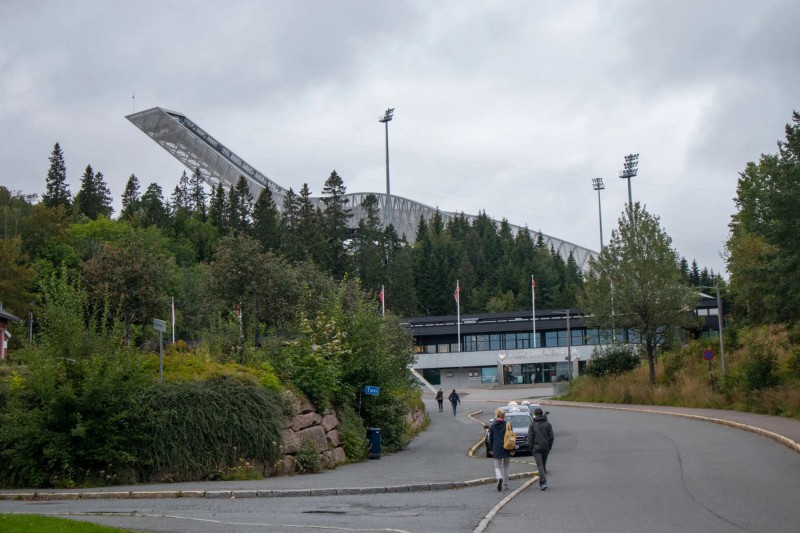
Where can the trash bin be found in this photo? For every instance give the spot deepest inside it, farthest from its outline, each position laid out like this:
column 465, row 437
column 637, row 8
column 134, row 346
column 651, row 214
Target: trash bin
column 374, row 443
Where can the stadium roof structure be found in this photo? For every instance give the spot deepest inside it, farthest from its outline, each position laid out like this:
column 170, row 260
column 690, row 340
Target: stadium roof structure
column 197, row 149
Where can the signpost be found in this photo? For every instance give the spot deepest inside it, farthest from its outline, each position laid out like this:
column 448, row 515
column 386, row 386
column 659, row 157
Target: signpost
column 708, row 355
column 160, row 326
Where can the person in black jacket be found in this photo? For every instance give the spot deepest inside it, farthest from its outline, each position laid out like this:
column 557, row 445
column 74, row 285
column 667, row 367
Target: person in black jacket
column 440, row 398
column 502, row 457
column 540, row 433
column 454, row 400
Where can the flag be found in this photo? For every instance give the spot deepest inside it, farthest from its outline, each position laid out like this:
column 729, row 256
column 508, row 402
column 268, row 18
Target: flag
column 456, row 293
column 533, row 283
column 380, row 295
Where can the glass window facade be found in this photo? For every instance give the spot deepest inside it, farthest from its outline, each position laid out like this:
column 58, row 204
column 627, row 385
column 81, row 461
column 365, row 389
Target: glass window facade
column 489, row 374
column 522, row 340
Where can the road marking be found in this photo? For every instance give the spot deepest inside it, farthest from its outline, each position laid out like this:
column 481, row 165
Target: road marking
column 212, row 521
column 491, row 514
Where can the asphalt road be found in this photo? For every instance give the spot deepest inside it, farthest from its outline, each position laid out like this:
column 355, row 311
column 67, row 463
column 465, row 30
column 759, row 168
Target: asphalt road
column 624, row 471
column 609, row 471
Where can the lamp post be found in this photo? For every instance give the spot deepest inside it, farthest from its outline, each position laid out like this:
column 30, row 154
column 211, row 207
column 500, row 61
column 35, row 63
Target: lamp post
column 597, row 184
column 629, row 171
column 387, row 216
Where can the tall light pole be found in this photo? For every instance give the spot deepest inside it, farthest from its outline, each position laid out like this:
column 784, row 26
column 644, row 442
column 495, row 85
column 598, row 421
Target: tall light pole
column 630, row 170
column 597, row 184
column 387, row 216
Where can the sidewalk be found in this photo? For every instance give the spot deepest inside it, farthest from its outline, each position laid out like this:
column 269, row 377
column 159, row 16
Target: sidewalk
column 437, row 459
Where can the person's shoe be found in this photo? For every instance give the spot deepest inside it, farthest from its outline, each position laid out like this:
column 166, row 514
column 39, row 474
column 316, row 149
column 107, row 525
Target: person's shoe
column 499, row 485
column 505, row 487
column 543, row 486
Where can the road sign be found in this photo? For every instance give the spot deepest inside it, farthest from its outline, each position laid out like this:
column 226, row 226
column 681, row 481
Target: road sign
column 372, row 391
column 159, row 325
column 708, row 355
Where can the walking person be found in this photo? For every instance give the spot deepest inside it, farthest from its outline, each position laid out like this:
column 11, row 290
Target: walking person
column 454, row 400
column 440, row 399
column 540, row 433
column 501, row 456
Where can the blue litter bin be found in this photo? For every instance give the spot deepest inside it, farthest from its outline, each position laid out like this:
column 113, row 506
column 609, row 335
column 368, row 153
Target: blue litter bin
column 374, row 443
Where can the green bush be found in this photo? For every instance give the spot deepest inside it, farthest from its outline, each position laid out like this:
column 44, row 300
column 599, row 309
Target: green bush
column 614, row 360
column 313, row 361
column 353, row 433
column 307, row 460
column 70, row 423
column 793, row 363
column 759, row 369
column 201, row 429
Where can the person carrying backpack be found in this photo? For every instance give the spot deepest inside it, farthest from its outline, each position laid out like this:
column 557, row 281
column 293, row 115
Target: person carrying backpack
column 454, row 400
column 540, row 433
column 501, row 456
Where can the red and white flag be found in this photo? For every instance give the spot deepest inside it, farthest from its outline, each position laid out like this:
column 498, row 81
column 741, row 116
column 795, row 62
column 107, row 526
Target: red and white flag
column 456, row 293
column 533, row 283
column 380, row 295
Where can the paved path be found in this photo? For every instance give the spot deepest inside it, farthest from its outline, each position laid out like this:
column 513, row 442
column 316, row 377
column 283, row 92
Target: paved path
column 437, row 459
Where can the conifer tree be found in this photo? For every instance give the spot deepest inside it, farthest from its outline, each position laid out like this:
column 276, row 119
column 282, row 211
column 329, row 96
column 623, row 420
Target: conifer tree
column 368, row 249
column 153, row 211
column 57, row 192
column 218, row 210
column 266, row 221
column 335, row 231
column 197, row 195
column 289, row 242
column 130, row 198
column 180, row 196
column 93, row 198
column 240, row 206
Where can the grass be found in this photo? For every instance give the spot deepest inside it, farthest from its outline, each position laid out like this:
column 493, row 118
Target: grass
column 29, row 523
column 683, row 379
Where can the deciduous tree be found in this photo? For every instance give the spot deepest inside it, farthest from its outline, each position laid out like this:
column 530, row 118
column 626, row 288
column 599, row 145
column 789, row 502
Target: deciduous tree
column 132, row 278
column 636, row 283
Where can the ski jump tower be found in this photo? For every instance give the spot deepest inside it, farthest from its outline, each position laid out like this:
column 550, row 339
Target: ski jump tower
column 195, row 148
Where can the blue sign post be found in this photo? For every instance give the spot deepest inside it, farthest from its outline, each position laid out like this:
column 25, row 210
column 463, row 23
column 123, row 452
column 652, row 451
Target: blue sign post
column 708, row 355
column 371, row 390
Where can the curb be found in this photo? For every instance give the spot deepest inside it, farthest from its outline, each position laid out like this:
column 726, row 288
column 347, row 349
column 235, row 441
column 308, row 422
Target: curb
column 786, row 441
column 237, row 494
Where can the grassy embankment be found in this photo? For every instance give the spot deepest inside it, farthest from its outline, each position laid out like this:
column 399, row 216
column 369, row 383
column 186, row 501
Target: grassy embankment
column 763, row 376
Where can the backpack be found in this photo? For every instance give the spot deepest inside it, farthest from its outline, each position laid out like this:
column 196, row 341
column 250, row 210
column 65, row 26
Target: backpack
column 509, row 439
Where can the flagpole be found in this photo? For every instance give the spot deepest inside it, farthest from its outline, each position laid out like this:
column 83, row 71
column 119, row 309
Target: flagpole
column 383, row 301
column 173, row 320
column 458, row 315
column 533, row 307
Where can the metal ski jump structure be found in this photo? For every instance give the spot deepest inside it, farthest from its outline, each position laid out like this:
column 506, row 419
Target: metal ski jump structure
column 195, row 148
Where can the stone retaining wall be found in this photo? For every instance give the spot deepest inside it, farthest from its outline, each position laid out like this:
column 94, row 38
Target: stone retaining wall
column 321, row 430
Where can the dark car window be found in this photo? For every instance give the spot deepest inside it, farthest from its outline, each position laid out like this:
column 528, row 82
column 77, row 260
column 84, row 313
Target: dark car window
column 518, row 421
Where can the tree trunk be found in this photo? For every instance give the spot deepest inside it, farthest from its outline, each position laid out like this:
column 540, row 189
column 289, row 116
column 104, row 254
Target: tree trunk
column 651, row 362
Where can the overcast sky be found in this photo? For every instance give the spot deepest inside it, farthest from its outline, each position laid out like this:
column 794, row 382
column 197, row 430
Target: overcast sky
column 506, row 107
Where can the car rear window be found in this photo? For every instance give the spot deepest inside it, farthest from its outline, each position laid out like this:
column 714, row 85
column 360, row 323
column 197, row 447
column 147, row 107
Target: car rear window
column 518, row 420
